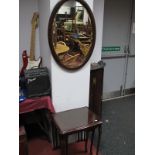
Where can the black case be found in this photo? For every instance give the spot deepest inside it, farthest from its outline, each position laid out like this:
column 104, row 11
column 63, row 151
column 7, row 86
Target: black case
column 37, row 82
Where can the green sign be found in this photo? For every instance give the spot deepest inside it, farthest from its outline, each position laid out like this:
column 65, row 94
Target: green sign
column 111, row 48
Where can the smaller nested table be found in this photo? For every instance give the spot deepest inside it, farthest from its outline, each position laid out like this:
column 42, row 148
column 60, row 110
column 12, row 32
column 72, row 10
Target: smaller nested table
column 76, row 121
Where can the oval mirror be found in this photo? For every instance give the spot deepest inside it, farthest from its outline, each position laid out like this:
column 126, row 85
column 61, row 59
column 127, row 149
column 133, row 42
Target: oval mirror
column 71, row 33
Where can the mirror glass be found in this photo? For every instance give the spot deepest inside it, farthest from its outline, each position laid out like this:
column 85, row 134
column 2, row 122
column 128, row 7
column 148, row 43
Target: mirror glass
column 71, row 33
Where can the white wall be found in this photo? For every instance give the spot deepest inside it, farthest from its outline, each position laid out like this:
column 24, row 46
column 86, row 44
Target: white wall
column 130, row 81
column 113, row 75
column 98, row 10
column 116, row 23
column 70, row 89
column 116, row 33
column 26, row 10
column 44, row 11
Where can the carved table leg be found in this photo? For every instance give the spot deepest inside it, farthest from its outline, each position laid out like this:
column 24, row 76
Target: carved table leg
column 92, row 138
column 64, row 144
column 99, row 138
column 86, row 140
column 53, row 135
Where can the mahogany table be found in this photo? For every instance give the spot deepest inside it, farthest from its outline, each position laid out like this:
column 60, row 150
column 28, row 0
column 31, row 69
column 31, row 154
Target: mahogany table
column 37, row 111
column 32, row 104
column 75, row 121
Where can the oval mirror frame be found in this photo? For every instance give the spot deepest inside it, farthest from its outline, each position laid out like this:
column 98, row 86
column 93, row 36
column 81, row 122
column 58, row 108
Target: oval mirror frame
column 51, row 37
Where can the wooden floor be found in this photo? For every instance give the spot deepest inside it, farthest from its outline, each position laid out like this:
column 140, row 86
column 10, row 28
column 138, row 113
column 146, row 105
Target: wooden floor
column 43, row 147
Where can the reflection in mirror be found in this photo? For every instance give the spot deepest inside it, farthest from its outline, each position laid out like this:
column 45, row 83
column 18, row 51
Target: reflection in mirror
column 72, row 34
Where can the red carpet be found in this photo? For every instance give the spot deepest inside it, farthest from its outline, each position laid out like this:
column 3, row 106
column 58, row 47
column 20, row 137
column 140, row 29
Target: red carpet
column 43, row 147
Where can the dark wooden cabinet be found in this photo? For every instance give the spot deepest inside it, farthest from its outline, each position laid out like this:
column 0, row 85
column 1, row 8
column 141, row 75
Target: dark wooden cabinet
column 96, row 87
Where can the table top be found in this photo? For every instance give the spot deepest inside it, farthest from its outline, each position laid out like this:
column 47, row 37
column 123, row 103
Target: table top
column 74, row 120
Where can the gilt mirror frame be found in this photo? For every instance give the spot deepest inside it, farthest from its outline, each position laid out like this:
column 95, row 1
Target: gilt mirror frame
column 51, row 37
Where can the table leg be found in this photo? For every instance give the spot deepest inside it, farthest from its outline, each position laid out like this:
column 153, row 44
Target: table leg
column 78, row 136
column 92, row 138
column 53, row 135
column 49, row 127
column 84, row 135
column 99, row 138
column 23, row 143
column 26, row 149
column 45, row 125
column 64, row 144
column 86, row 140
column 56, row 137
